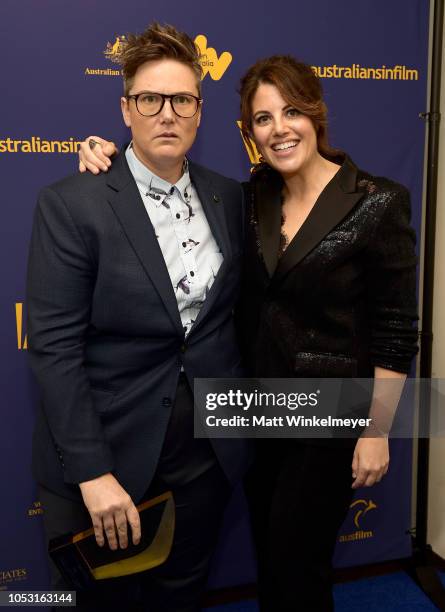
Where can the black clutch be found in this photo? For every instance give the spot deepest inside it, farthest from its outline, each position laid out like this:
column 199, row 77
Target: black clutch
column 82, row 562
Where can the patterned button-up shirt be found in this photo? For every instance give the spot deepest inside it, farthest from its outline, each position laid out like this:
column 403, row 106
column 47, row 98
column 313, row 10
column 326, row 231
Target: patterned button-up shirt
column 190, row 251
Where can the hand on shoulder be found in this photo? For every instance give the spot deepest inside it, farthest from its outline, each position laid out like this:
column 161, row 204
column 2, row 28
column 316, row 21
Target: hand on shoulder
column 95, row 153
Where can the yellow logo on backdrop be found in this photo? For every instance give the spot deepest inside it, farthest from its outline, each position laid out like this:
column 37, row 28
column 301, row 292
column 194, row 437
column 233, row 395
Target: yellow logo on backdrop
column 36, row 509
column 12, row 575
column 35, row 144
column 356, row 71
column 364, row 507
column 361, row 507
column 22, row 339
column 210, row 61
column 113, row 49
column 252, row 151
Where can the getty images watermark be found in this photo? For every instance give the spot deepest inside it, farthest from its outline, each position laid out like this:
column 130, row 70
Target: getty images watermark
column 319, row 408
column 257, row 400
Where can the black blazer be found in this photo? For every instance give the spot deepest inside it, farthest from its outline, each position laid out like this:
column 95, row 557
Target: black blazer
column 342, row 297
column 106, row 341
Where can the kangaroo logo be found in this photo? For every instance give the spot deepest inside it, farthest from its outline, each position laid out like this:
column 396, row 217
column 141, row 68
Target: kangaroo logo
column 113, row 49
column 365, row 507
column 22, row 340
column 210, row 62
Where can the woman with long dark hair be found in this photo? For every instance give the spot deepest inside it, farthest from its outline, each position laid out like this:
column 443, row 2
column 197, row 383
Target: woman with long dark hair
column 329, row 291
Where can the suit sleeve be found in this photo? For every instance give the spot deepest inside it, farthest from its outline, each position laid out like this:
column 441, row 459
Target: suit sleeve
column 391, row 271
column 61, row 278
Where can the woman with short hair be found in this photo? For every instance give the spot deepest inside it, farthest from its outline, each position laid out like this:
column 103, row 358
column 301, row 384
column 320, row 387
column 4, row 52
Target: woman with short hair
column 329, row 291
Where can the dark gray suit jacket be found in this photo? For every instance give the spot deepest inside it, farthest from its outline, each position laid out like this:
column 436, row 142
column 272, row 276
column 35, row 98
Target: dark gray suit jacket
column 105, row 336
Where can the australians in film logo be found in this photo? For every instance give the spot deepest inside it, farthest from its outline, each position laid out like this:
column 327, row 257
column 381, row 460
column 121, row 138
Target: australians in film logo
column 22, row 338
column 36, row 144
column 360, row 509
column 213, row 64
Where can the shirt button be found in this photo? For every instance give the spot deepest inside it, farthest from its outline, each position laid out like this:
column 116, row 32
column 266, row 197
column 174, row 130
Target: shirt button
column 178, row 216
column 192, row 273
column 184, row 244
column 183, row 348
column 172, row 190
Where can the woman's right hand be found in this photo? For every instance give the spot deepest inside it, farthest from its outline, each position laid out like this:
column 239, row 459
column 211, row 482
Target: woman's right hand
column 94, row 154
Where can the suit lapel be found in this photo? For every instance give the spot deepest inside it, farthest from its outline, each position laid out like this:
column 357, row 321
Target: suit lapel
column 125, row 199
column 336, row 200
column 213, row 205
column 214, row 209
column 267, row 193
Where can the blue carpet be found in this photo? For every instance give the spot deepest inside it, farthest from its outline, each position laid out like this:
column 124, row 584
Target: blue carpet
column 391, row 593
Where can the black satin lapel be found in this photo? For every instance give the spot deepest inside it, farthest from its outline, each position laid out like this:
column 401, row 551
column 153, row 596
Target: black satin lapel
column 268, row 199
column 128, row 206
column 333, row 204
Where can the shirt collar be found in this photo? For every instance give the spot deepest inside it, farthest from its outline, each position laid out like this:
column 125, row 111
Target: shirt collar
column 146, row 179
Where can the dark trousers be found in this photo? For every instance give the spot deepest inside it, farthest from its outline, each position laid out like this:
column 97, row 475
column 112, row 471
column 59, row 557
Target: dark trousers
column 298, row 495
column 189, row 468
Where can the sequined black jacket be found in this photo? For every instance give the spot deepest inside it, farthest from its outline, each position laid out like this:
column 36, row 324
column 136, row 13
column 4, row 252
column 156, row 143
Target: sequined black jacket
column 342, row 297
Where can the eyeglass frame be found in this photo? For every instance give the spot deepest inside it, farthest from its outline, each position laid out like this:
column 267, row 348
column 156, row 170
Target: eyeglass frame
column 164, row 98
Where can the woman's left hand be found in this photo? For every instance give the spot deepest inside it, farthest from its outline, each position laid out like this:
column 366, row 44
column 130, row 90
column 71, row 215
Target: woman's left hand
column 370, row 462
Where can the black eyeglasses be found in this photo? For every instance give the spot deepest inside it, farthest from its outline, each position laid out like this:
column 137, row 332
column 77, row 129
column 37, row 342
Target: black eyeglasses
column 150, row 103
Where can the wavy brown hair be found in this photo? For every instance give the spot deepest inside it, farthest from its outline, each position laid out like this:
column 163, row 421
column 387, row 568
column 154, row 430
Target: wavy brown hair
column 298, row 85
column 155, row 43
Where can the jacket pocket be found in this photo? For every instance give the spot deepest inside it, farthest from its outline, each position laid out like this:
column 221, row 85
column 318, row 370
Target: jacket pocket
column 324, row 365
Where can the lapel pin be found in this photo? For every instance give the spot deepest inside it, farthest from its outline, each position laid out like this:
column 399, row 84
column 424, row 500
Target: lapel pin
column 215, row 198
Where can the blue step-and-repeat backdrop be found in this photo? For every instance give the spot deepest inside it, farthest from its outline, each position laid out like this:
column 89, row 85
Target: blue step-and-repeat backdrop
column 59, row 85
